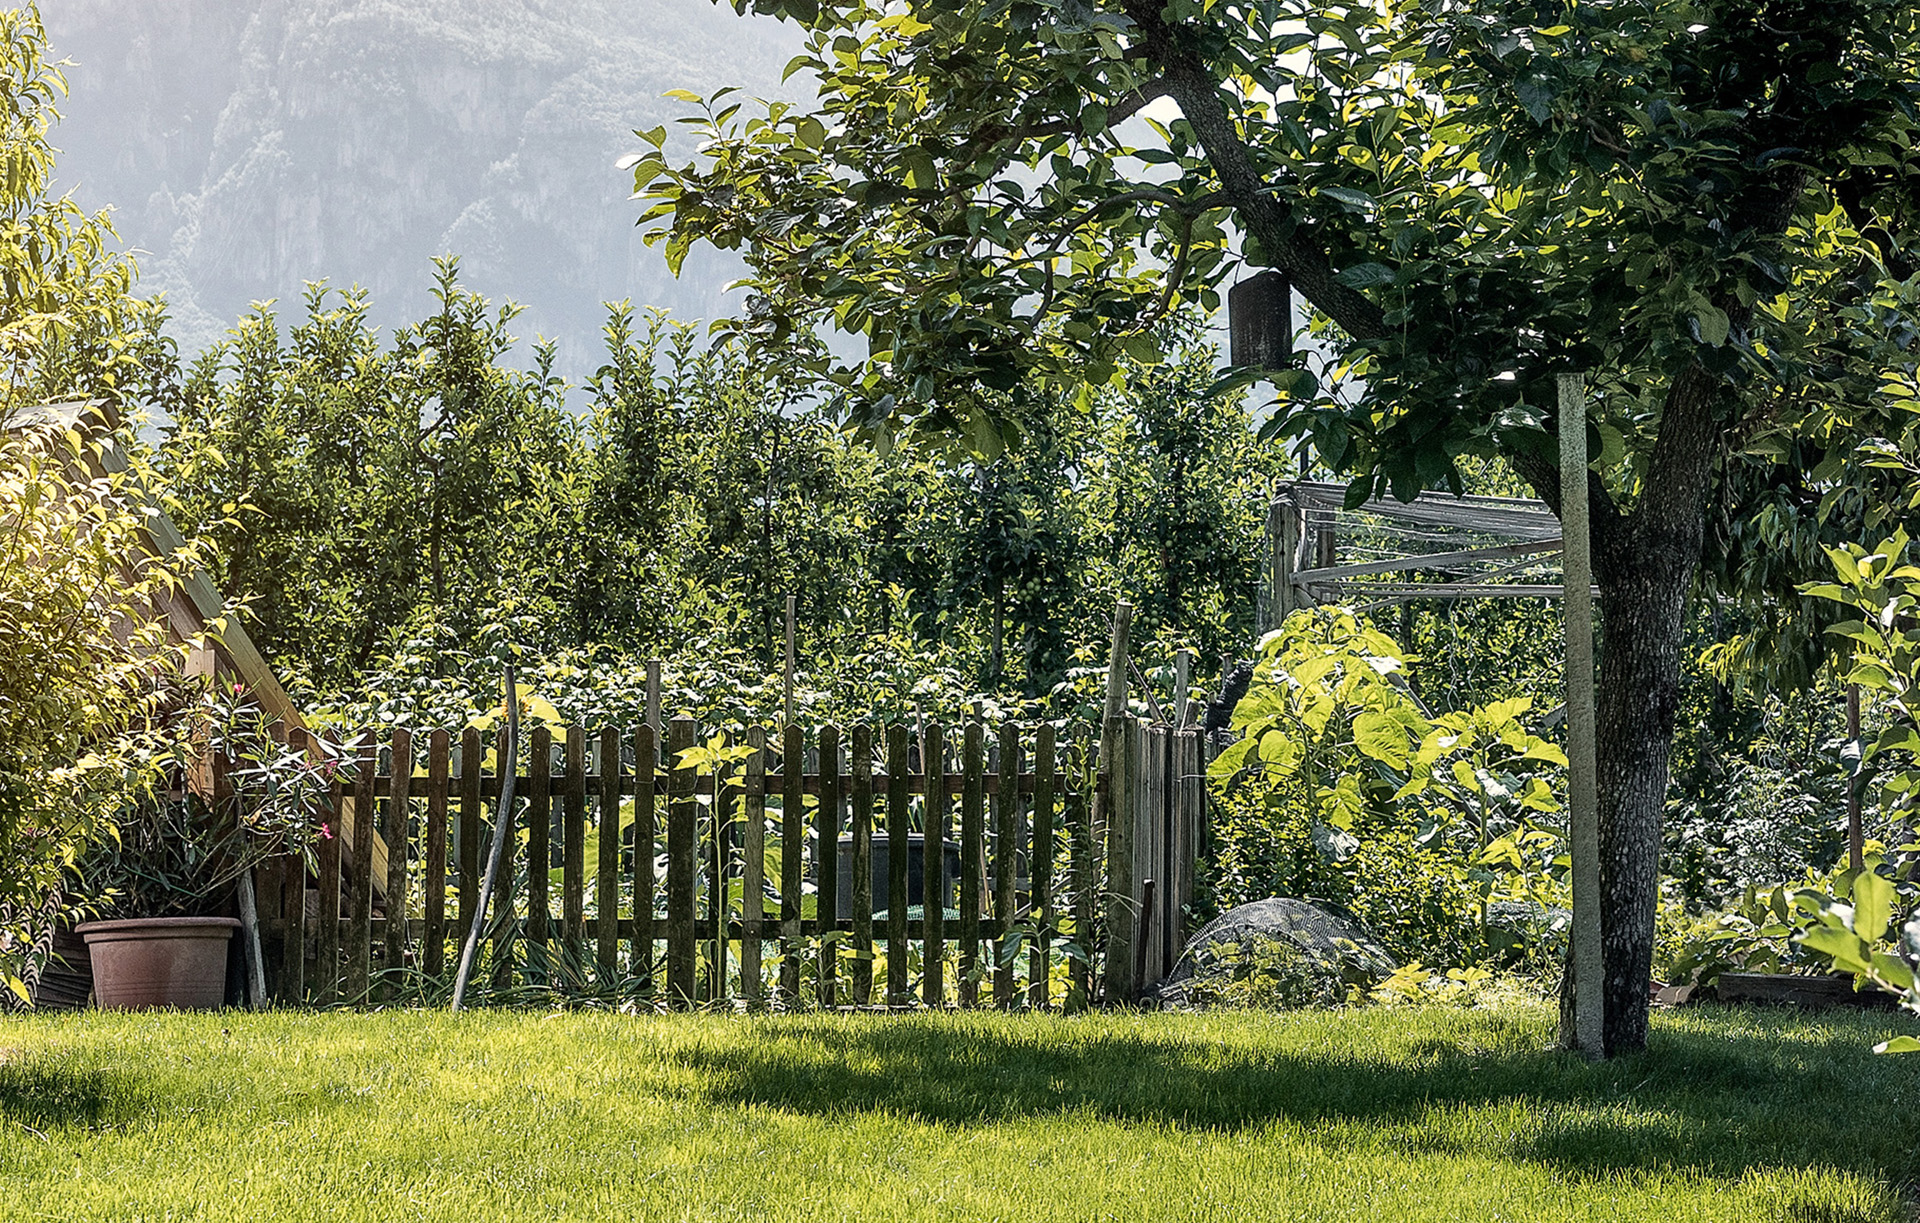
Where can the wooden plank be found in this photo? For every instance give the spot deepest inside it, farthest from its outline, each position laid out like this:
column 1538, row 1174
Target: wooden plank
column 606, row 883
column 433, row 961
column 720, row 859
column 826, row 884
column 500, row 905
column 399, row 815
column 937, row 815
column 793, row 835
column 1040, row 867
column 682, row 837
column 861, row 816
column 753, row 870
column 1006, row 853
column 1122, row 892
column 898, row 815
column 1082, row 882
column 293, row 901
column 972, row 856
column 360, row 878
column 539, row 854
column 471, row 817
column 573, row 832
column 646, row 758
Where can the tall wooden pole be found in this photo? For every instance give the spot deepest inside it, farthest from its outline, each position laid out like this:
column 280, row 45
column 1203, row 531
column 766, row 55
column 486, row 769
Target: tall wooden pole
column 789, row 704
column 1583, row 810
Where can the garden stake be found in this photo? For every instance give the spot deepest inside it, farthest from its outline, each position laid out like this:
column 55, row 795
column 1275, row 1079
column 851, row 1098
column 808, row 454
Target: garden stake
column 502, row 825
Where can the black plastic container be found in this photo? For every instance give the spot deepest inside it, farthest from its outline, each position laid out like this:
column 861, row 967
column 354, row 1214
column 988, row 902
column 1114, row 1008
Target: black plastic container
column 916, row 873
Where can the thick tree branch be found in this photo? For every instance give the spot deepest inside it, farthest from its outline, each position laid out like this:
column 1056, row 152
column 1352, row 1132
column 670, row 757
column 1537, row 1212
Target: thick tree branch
column 1126, row 107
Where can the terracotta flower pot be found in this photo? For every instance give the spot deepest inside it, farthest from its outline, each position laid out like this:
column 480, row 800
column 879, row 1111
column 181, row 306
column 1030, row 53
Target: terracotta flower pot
column 142, row 963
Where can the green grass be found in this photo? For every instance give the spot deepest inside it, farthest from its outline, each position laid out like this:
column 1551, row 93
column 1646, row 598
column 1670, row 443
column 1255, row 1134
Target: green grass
column 1377, row 1114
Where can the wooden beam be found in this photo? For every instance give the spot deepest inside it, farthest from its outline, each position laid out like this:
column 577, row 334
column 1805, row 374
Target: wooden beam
column 1583, row 813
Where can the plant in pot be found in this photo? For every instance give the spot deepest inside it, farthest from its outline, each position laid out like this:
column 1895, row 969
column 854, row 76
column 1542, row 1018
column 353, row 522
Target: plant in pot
column 180, row 859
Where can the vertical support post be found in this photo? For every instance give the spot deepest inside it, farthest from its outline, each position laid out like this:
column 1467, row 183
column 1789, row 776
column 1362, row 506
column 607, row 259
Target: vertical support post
column 972, row 839
column 1123, row 913
column 788, row 721
column 753, row 869
column 1182, row 679
column 539, row 853
column 1006, row 854
column 933, row 869
column 826, row 865
column 1283, row 527
column 793, row 839
column 434, row 895
column 1583, row 814
column 1117, row 660
column 400, row 790
column 899, row 786
column 653, row 698
column 360, row 879
column 573, row 841
column 646, row 772
column 1856, row 752
column 860, row 814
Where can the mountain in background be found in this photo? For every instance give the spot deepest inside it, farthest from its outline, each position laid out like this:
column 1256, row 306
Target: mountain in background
column 248, row 146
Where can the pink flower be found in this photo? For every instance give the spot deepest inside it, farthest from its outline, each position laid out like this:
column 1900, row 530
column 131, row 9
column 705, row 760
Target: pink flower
column 326, row 833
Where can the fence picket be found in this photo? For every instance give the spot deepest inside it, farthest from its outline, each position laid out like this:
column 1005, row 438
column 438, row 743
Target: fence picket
column 933, row 870
column 826, row 861
column 720, row 882
column 1006, row 853
column 501, row 905
column 327, row 954
column 897, row 851
column 573, row 817
column 861, row 816
column 606, row 883
column 682, row 833
column 399, row 792
column 753, row 870
column 646, row 766
column 1040, row 868
column 433, row 959
column 1081, row 881
column 360, row 879
column 793, row 834
column 469, row 838
column 539, row 855
column 972, row 857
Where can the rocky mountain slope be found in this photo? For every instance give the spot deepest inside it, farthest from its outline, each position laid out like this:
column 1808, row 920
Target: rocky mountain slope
column 251, row 145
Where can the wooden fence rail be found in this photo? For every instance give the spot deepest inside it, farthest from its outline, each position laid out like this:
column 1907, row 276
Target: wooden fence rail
column 767, row 875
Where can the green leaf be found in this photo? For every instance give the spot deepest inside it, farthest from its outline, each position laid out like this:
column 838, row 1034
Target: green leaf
column 1899, row 1044
column 1844, row 948
column 1366, row 276
column 1712, row 325
column 1872, row 905
column 683, row 95
column 1351, row 200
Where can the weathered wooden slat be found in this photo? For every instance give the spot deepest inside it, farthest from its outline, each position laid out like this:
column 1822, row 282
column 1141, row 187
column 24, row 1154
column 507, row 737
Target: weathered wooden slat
column 777, row 783
column 293, row 900
column 1081, row 881
column 433, row 960
column 753, row 870
column 399, row 817
column 360, row 879
column 720, row 823
column 573, row 840
column 933, row 984
column 682, row 838
column 972, row 856
column 501, row 905
column 471, row 764
column 861, row 816
column 1122, row 892
column 1006, row 852
column 793, row 837
column 826, row 884
column 539, row 854
column 1040, row 868
column 606, row 882
column 898, row 816
column 640, row 956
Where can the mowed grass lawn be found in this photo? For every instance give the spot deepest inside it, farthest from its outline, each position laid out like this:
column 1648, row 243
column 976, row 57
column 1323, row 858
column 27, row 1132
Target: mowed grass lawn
column 1377, row 1114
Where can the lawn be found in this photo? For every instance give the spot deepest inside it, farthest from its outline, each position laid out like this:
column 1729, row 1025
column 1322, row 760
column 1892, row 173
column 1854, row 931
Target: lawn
column 1378, row 1114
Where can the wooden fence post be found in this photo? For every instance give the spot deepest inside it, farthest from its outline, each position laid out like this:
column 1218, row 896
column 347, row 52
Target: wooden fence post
column 573, row 847
column 539, row 854
column 1006, row 850
column 646, row 772
column 1082, row 879
column 434, row 893
column 1040, row 867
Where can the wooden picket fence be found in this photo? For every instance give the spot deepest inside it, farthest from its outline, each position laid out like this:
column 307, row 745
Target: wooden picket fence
column 709, row 886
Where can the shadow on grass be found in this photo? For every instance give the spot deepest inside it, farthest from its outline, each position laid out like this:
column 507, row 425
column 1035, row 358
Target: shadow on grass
column 42, row 1095
column 1716, row 1102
